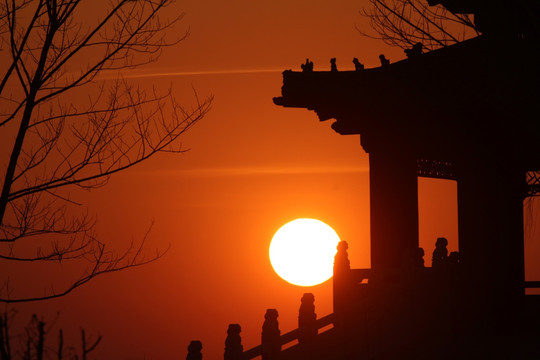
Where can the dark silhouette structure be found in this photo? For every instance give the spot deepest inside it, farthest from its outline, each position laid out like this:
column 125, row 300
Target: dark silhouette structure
column 469, row 113
column 307, row 319
column 313, row 346
column 307, row 67
column 194, row 350
column 333, row 66
column 415, row 51
column 498, row 17
column 440, row 254
column 358, row 66
column 270, row 337
column 384, row 61
column 233, row 344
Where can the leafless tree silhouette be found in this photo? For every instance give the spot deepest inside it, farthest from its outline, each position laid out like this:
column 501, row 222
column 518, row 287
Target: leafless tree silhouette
column 65, row 126
column 404, row 23
column 33, row 343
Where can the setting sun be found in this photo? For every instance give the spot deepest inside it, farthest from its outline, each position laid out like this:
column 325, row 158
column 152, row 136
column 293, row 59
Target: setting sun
column 302, row 252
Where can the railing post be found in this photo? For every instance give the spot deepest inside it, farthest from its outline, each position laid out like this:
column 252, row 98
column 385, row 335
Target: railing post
column 270, row 337
column 233, row 344
column 307, row 319
column 341, row 259
column 194, row 350
column 341, row 282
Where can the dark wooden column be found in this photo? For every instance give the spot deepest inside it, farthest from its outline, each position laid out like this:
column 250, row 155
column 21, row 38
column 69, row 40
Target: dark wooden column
column 490, row 216
column 394, row 207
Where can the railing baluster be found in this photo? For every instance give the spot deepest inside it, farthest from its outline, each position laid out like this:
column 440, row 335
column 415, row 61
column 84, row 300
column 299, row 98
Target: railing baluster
column 307, row 320
column 270, row 337
column 289, row 337
column 194, row 350
column 233, row 344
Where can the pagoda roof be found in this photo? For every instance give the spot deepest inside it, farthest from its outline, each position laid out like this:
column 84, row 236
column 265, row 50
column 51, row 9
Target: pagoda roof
column 473, row 98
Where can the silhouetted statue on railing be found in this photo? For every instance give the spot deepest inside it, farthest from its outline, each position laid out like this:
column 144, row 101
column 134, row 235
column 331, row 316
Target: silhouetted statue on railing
column 413, row 259
column 333, row 66
column 270, row 338
column 453, row 260
column 233, row 344
column 420, row 258
column 194, row 350
column 358, row 66
column 307, row 67
column 415, row 51
column 307, row 320
column 341, row 259
column 384, row 60
column 440, row 254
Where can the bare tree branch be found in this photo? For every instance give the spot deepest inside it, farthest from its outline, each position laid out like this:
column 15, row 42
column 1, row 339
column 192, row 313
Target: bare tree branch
column 62, row 142
column 404, row 23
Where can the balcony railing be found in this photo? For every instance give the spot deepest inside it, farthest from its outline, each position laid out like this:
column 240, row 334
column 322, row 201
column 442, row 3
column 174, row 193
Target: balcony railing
column 289, row 337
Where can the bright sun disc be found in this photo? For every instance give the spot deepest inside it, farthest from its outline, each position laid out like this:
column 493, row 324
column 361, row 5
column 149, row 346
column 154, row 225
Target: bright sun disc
column 302, row 252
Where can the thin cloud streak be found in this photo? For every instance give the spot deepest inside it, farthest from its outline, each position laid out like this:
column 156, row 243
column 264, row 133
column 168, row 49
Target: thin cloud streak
column 257, row 171
column 128, row 75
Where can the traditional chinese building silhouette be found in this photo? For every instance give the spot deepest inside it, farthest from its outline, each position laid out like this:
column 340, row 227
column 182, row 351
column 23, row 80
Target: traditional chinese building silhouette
column 469, row 112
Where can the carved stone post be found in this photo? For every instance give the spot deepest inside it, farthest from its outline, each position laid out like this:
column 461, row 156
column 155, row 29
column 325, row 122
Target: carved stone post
column 341, row 259
column 270, row 338
column 341, row 281
column 307, row 320
column 233, row 344
column 194, row 350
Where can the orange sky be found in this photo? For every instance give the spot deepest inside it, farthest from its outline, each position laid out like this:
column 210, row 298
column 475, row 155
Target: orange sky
column 253, row 166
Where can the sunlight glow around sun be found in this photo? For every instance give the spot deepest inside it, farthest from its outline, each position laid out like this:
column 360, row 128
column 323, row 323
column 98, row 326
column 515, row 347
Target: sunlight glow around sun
column 302, row 252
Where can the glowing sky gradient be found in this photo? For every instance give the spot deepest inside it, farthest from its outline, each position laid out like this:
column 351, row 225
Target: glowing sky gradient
column 252, row 167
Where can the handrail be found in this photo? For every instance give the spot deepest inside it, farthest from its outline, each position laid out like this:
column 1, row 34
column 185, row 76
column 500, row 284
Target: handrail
column 289, row 337
column 253, row 352
column 532, row 284
column 360, row 274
